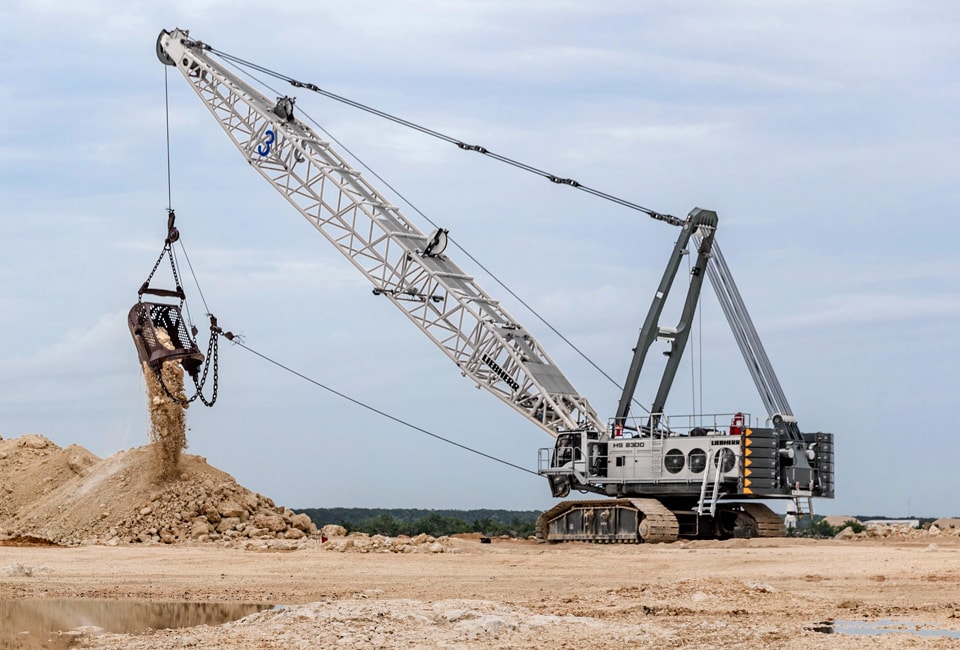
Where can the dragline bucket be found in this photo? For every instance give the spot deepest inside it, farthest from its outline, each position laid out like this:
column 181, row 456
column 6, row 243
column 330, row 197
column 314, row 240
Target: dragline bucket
column 161, row 334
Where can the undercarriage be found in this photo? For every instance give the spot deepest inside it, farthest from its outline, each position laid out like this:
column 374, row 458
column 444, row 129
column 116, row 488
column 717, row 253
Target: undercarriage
column 634, row 521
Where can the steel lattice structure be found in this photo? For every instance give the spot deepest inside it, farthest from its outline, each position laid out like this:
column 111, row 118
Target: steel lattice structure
column 472, row 329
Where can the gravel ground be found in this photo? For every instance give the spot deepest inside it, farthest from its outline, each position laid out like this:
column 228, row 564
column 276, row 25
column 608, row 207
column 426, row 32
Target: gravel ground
column 512, row 594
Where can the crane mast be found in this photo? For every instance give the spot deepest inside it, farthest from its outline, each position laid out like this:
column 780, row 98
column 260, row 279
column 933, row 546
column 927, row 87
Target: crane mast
column 404, row 265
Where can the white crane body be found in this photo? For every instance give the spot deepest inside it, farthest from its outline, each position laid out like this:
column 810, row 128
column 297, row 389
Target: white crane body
column 667, row 479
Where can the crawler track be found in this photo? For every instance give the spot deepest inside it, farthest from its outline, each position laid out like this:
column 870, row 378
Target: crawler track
column 606, row 521
column 658, row 523
column 769, row 523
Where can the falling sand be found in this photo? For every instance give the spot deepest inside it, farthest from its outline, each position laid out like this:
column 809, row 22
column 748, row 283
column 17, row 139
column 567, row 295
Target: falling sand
column 168, row 431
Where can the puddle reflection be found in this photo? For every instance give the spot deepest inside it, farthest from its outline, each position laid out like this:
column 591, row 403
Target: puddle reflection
column 882, row 626
column 30, row 624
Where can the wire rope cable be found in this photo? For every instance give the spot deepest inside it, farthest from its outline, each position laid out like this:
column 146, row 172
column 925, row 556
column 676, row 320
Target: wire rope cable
column 237, row 61
column 175, row 266
column 236, row 65
column 166, row 102
column 377, row 411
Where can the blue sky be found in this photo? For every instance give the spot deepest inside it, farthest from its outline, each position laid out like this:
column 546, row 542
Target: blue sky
column 824, row 134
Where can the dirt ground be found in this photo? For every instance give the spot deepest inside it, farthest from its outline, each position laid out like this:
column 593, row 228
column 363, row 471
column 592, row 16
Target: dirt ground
column 516, row 594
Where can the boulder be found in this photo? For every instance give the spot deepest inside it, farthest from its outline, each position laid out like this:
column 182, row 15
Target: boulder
column 227, row 523
column 33, row 441
column 304, row 523
column 333, row 530
column 272, row 523
column 846, row 533
column 211, row 513
column 200, row 527
column 231, row 509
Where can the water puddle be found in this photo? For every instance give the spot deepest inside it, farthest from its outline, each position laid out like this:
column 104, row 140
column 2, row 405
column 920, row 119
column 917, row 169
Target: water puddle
column 30, row 624
column 882, row 626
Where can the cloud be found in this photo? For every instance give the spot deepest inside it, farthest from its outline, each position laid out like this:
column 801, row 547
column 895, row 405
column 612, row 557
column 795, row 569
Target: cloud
column 874, row 309
column 91, row 350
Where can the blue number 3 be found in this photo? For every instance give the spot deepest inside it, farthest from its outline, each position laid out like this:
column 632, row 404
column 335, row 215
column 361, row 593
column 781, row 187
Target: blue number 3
column 264, row 151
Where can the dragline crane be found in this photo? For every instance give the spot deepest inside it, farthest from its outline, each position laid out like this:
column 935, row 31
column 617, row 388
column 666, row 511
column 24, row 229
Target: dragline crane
column 667, row 479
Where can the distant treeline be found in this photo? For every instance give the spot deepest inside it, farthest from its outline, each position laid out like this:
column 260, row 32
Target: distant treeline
column 399, row 521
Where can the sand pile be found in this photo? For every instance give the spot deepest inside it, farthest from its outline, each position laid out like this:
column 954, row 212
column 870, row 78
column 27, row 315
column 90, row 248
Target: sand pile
column 69, row 496
column 31, row 466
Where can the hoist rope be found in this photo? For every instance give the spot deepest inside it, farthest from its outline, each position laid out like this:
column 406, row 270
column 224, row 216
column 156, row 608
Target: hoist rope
column 166, row 103
column 378, row 411
column 173, row 235
column 236, row 63
column 446, row 138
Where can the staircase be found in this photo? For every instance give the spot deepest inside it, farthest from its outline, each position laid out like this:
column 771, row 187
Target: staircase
column 710, row 490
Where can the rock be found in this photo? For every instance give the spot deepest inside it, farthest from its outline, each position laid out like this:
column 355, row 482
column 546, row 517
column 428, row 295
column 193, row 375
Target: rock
column 211, row 513
column 79, row 463
column 436, row 547
column 333, row 530
column 934, row 530
column 272, row 523
column 251, row 500
column 231, row 509
column 304, row 523
column 484, row 626
column 201, row 527
column 846, row 533
column 18, row 570
column 146, row 510
column 294, row 533
column 33, row 441
column 228, row 523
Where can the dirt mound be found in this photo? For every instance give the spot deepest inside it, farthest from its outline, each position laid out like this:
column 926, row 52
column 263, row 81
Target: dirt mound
column 402, row 623
column 32, row 466
column 69, row 496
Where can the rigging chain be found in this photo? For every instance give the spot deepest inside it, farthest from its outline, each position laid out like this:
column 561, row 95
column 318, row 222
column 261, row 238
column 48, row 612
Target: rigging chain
column 212, row 358
column 213, row 348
